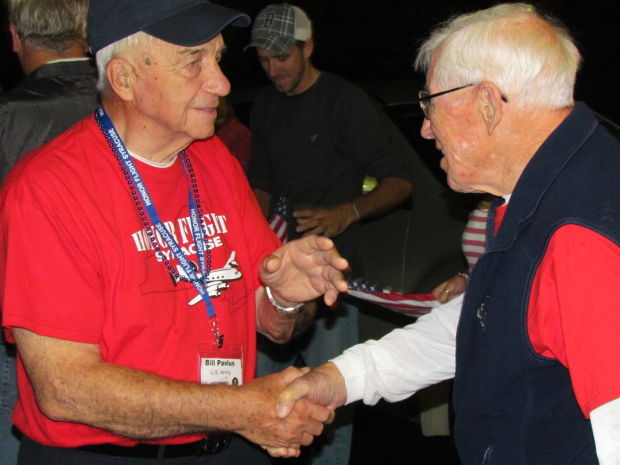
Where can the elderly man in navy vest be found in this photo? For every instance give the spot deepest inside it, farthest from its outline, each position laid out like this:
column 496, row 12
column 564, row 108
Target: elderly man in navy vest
column 536, row 359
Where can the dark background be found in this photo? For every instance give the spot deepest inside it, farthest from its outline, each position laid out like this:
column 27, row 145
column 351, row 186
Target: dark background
column 377, row 41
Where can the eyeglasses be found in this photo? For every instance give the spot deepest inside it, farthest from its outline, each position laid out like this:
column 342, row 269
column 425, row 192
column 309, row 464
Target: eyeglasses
column 424, row 98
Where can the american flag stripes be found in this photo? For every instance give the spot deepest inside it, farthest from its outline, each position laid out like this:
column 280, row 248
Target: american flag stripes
column 474, row 236
column 413, row 305
column 277, row 222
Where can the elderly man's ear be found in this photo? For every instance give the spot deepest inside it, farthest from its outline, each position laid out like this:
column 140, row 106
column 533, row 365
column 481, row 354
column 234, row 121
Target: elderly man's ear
column 490, row 105
column 120, row 76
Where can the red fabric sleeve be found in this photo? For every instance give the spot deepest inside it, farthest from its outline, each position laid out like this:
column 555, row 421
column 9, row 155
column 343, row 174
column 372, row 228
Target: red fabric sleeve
column 573, row 314
column 50, row 284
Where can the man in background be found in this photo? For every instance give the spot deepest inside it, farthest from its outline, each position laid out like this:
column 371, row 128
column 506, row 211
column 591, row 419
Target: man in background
column 49, row 38
column 315, row 137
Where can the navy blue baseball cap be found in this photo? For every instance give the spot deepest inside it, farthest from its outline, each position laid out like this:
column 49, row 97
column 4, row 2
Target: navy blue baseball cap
column 181, row 22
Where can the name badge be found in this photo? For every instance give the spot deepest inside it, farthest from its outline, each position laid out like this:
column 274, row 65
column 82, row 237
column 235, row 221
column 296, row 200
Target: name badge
column 221, row 365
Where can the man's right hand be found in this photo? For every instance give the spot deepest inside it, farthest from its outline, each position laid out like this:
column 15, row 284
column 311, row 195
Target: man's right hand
column 172, row 408
column 259, row 423
column 322, row 385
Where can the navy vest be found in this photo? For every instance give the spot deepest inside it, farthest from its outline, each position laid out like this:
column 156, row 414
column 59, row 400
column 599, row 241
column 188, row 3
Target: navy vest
column 512, row 406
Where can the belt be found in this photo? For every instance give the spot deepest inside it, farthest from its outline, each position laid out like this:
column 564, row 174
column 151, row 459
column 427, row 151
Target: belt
column 212, row 444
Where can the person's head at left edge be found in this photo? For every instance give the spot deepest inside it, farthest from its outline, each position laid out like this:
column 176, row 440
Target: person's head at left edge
column 47, row 30
column 159, row 72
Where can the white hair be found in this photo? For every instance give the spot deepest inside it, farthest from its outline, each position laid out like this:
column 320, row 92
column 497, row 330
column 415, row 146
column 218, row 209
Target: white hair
column 117, row 48
column 51, row 24
column 531, row 58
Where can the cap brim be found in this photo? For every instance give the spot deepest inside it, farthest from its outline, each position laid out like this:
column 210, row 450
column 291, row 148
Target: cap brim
column 197, row 24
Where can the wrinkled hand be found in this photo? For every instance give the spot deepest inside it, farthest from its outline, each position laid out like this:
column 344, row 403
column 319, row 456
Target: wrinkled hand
column 304, row 269
column 323, row 385
column 450, row 289
column 258, row 422
column 324, row 221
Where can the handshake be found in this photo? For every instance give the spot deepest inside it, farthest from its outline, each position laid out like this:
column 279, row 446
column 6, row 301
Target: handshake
column 286, row 410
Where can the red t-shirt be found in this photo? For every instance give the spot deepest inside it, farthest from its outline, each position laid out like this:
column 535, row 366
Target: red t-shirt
column 76, row 264
column 573, row 311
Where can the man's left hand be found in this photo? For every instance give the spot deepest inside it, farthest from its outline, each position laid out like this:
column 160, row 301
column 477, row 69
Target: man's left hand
column 304, row 269
column 324, row 221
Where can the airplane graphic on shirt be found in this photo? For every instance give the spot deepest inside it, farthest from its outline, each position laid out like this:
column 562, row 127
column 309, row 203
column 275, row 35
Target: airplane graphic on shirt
column 217, row 281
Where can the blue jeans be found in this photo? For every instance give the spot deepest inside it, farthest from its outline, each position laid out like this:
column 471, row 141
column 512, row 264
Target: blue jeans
column 9, row 442
column 333, row 331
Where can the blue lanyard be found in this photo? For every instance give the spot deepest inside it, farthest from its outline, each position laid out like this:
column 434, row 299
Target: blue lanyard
column 121, row 153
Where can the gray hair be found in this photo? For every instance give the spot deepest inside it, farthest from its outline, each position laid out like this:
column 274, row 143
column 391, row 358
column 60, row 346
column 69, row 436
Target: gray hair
column 532, row 67
column 50, row 24
column 115, row 49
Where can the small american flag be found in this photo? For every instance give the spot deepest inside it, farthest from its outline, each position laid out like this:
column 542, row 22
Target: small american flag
column 277, row 222
column 413, row 305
